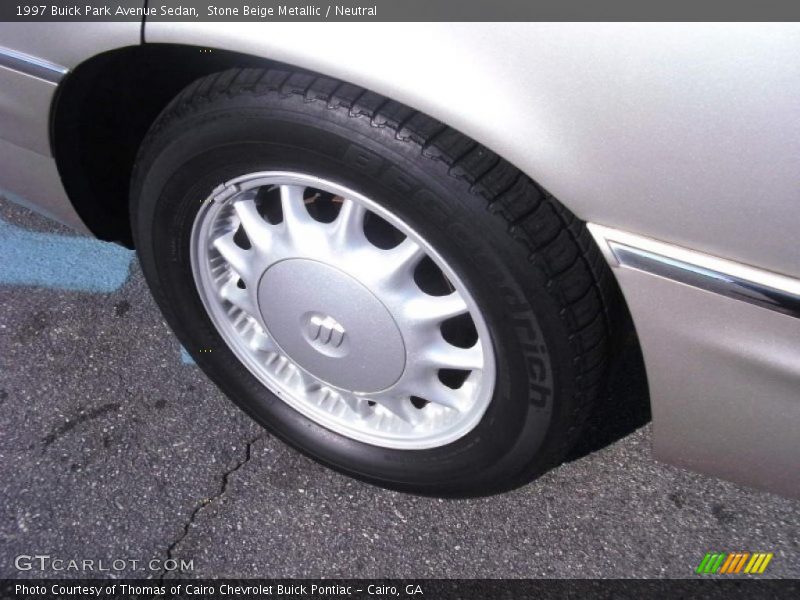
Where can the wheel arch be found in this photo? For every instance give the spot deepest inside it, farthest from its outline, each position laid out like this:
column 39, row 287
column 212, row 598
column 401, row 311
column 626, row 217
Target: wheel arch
column 101, row 113
column 103, row 108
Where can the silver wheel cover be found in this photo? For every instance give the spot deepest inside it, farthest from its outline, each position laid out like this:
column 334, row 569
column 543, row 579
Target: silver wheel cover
column 332, row 323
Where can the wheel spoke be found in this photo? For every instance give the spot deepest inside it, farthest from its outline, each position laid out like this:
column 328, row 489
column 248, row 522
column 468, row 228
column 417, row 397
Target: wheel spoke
column 294, row 209
column 349, row 225
column 400, row 261
column 261, row 342
column 358, row 405
column 257, row 229
column 283, row 368
column 304, row 381
column 447, row 356
column 237, row 296
column 428, row 308
column 433, row 390
column 236, row 256
column 399, row 405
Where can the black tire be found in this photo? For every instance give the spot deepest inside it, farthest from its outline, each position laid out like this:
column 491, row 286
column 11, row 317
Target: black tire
column 529, row 263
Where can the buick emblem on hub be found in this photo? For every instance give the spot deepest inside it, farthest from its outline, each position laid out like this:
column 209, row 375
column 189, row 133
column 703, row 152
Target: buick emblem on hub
column 325, row 334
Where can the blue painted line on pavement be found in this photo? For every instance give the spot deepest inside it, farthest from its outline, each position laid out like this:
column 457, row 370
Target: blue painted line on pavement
column 63, row 262
column 186, row 358
column 60, row 261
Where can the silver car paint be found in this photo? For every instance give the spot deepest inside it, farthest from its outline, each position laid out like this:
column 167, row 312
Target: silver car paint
column 685, row 133
column 724, row 379
column 721, row 344
column 68, row 44
column 27, row 102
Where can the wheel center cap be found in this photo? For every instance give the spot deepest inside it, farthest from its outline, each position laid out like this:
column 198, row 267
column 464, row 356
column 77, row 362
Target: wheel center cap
column 331, row 325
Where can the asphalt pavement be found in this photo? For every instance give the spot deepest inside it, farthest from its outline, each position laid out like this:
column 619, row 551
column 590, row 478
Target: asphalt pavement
column 115, row 447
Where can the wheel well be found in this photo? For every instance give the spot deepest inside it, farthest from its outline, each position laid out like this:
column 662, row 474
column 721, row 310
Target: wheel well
column 102, row 112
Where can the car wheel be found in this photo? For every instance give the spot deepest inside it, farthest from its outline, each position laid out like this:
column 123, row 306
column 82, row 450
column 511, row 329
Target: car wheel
column 373, row 287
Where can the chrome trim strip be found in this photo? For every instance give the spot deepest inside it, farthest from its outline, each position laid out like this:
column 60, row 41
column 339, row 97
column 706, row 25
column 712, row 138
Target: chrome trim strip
column 30, row 65
column 755, row 286
column 706, row 279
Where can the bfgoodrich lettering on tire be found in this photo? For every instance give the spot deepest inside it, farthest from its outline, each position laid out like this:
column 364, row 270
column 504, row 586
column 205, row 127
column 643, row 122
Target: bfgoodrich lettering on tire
column 376, row 289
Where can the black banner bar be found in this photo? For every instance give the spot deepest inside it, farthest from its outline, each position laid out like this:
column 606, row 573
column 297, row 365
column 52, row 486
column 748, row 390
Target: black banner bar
column 398, row 10
column 403, row 589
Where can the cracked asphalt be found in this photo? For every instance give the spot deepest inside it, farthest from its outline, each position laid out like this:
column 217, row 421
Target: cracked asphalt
column 112, row 448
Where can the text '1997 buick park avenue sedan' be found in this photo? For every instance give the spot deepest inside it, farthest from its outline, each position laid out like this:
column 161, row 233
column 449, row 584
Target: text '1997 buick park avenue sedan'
column 414, row 261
